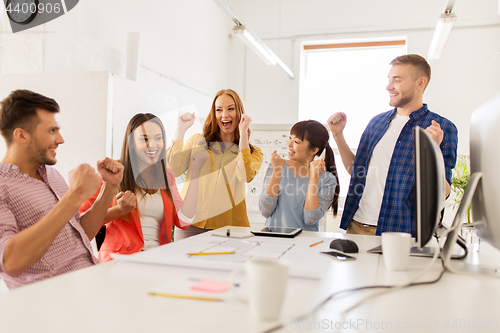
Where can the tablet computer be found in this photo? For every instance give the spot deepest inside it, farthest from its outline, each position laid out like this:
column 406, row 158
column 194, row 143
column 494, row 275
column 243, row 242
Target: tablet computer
column 277, row 231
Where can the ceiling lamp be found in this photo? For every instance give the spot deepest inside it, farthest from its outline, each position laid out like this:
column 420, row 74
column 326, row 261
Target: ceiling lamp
column 252, row 40
column 443, row 28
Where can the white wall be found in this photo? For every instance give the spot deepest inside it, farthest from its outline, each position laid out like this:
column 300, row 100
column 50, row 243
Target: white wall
column 95, row 110
column 184, row 44
column 83, row 98
column 129, row 98
column 463, row 79
column 186, row 52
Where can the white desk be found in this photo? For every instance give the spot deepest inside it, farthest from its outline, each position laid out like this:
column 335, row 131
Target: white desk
column 113, row 297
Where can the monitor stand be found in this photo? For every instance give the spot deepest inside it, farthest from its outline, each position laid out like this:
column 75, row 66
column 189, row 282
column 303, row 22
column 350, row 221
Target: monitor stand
column 454, row 234
column 427, row 251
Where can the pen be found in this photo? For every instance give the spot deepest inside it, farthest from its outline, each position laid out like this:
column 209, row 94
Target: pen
column 314, row 244
column 186, row 297
column 208, row 253
column 228, row 233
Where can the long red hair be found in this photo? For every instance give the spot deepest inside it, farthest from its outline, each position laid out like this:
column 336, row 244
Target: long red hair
column 211, row 130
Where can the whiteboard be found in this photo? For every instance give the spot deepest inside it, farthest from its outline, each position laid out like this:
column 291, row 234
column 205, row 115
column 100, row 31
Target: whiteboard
column 268, row 141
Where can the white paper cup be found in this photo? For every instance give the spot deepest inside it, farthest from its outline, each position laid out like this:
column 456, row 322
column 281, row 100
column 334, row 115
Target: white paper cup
column 266, row 285
column 396, row 250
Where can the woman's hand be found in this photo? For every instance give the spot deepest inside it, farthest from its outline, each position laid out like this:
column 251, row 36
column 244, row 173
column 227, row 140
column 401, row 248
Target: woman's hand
column 198, row 160
column 244, row 123
column 277, row 162
column 316, row 168
column 126, row 202
column 185, row 121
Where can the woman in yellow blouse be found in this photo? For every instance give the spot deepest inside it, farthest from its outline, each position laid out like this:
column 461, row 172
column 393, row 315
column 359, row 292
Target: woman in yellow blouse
column 233, row 162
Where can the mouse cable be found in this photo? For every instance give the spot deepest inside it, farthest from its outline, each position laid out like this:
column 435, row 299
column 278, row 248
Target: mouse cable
column 388, row 289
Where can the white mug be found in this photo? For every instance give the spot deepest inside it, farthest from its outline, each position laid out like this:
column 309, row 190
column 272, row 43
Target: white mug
column 266, row 286
column 396, row 250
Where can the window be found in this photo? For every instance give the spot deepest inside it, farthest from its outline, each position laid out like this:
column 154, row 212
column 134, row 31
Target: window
column 346, row 76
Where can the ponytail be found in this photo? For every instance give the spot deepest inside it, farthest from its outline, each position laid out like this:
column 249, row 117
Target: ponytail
column 332, row 167
column 317, row 135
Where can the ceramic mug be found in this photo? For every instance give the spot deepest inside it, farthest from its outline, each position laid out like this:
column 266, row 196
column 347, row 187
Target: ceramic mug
column 396, row 250
column 266, row 286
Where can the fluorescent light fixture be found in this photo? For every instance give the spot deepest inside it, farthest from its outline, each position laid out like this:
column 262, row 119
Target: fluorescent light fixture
column 441, row 33
column 252, row 40
column 256, row 44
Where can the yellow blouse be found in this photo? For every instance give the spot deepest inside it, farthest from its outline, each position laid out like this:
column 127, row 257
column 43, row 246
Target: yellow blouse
column 221, row 195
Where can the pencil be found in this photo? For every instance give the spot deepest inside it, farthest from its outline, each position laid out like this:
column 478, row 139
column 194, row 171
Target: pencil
column 314, row 244
column 208, row 253
column 186, row 297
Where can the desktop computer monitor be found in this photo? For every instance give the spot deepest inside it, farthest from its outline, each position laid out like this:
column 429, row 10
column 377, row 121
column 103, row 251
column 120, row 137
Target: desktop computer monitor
column 430, row 185
column 483, row 188
column 430, row 196
column 485, row 159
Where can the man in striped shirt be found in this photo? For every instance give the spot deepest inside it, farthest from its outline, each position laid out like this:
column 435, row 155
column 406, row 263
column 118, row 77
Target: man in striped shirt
column 41, row 232
column 381, row 194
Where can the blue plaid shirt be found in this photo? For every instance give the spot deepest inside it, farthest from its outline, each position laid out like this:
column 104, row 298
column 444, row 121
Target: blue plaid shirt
column 397, row 212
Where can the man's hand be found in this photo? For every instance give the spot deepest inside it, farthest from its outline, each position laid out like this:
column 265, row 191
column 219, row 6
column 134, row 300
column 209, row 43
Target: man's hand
column 337, row 123
column 244, row 123
column 83, row 181
column 316, row 168
column 435, row 132
column 185, row 121
column 111, row 171
column 126, row 202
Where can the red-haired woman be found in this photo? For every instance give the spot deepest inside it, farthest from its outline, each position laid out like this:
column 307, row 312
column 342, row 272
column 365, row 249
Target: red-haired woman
column 233, row 162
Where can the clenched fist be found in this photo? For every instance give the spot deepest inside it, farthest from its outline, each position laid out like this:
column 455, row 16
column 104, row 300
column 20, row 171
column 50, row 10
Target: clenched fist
column 185, row 121
column 316, row 168
column 111, row 171
column 83, row 181
column 126, row 202
column 337, row 123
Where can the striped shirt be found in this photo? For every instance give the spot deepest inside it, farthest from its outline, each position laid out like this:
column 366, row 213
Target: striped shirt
column 397, row 212
column 23, row 202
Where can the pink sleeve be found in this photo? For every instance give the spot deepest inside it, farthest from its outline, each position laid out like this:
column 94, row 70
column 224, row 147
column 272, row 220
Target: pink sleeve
column 173, row 189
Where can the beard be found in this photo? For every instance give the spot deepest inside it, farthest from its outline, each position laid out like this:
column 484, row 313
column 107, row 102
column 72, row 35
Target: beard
column 404, row 98
column 403, row 101
column 37, row 153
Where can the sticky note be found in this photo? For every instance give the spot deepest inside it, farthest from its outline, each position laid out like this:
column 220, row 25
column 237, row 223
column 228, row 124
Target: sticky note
column 210, row 286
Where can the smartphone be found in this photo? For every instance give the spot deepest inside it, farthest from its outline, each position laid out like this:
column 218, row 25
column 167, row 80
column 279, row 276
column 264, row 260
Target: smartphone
column 339, row 255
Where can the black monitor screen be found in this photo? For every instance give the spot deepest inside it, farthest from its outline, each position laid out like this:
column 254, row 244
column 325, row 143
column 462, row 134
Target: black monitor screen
column 430, row 187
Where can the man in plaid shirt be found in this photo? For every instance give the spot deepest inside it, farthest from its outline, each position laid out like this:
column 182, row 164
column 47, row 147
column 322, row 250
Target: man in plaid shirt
column 381, row 193
column 41, row 232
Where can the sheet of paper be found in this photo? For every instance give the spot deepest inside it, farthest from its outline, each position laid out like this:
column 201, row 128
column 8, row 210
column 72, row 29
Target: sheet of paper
column 305, row 261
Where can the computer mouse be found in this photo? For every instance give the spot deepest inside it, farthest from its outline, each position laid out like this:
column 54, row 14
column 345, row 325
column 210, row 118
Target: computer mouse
column 344, row 245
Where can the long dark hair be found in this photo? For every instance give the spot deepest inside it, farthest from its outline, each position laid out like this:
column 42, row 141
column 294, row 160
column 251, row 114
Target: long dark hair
column 131, row 182
column 211, row 130
column 317, row 136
